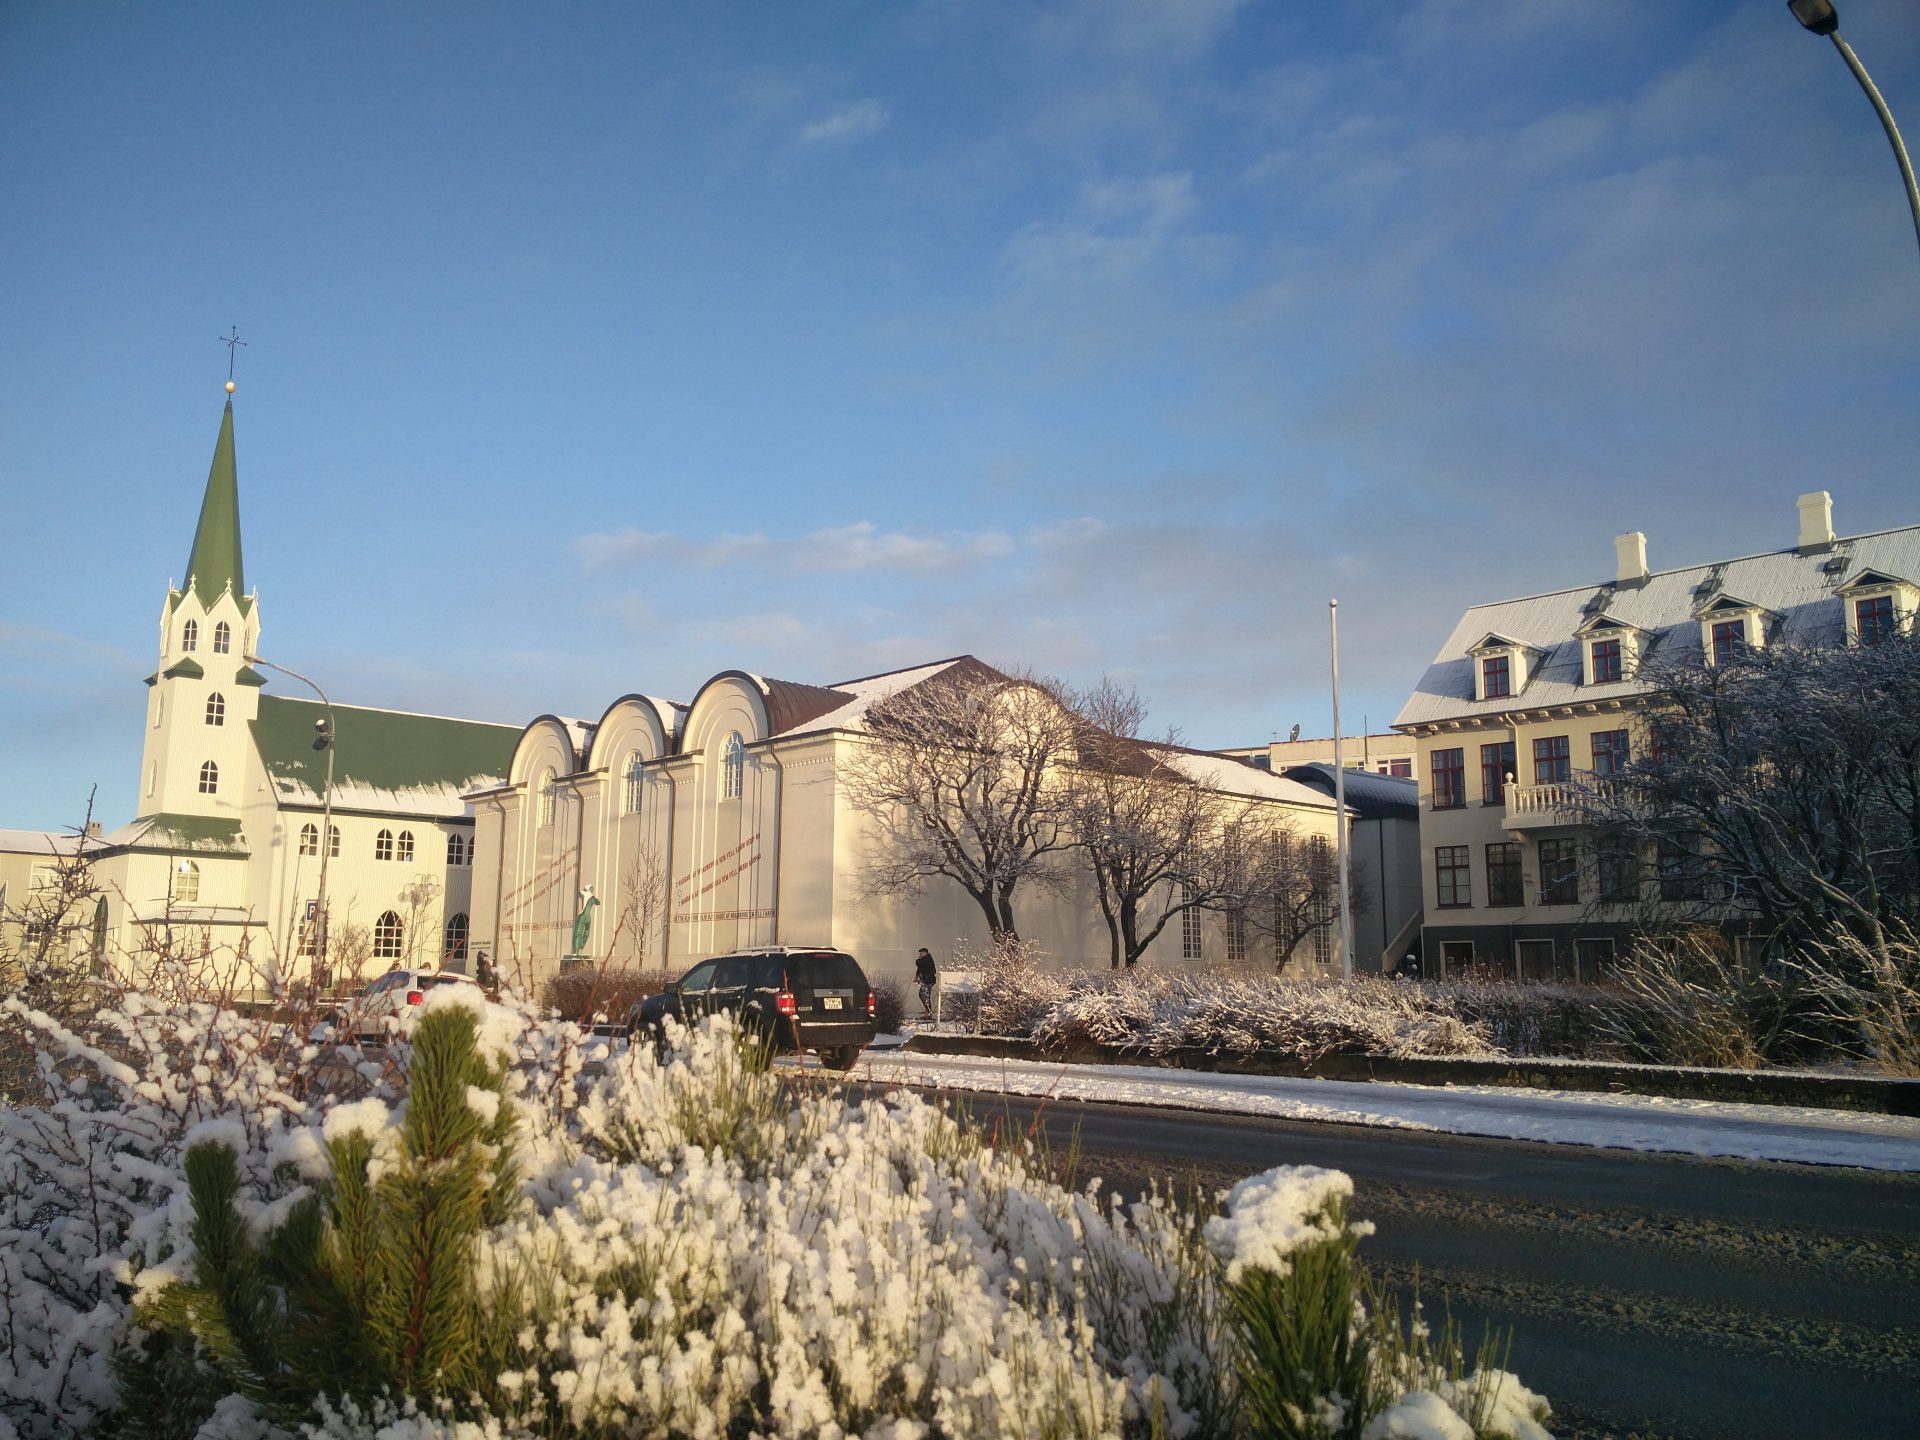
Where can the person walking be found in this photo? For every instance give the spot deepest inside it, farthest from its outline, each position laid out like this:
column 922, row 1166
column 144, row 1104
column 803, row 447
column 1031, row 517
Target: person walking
column 926, row 975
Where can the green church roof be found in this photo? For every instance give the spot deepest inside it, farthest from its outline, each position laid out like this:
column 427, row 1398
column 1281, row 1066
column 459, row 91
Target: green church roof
column 169, row 833
column 382, row 759
column 214, row 566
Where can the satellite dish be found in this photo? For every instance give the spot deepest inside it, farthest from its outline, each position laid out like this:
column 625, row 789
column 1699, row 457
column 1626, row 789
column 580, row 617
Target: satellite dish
column 1293, row 734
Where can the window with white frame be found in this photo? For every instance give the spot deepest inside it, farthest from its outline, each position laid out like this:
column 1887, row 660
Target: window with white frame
column 453, row 939
column 388, row 936
column 383, row 845
column 403, row 847
column 209, row 779
column 1500, row 667
column 459, row 849
column 216, row 709
column 309, row 839
column 1190, row 947
column 333, row 842
column 190, row 635
column 186, row 882
column 549, row 792
column 222, row 638
column 733, row 779
column 636, row 772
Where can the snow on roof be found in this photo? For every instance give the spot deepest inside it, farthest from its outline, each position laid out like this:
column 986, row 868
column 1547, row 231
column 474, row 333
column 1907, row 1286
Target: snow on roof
column 1801, row 590
column 47, row 842
column 872, row 689
column 1237, row 777
column 383, row 760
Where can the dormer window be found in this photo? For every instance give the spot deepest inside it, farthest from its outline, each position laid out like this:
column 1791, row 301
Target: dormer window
column 1496, row 676
column 1728, row 626
column 1729, row 638
column 1501, row 667
column 1610, row 648
column 1878, row 607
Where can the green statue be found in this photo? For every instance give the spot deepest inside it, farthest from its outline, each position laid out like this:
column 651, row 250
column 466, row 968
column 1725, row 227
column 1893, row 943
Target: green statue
column 583, row 919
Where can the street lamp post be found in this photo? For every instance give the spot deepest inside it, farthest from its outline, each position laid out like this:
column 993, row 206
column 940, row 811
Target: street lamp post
column 1821, row 18
column 323, row 740
column 1340, row 802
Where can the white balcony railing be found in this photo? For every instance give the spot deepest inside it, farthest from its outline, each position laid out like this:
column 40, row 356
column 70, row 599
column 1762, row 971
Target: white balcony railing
column 1551, row 804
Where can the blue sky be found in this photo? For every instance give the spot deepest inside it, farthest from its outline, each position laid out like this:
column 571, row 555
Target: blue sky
column 597, row 348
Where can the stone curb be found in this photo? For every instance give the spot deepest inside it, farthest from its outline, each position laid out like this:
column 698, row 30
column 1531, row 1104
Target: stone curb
column 1760, row 1087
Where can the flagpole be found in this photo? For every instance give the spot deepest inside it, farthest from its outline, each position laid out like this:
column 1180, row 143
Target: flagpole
column 1340, row 803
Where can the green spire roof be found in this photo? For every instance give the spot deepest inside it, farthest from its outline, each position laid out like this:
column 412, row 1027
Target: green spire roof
column 214, row 565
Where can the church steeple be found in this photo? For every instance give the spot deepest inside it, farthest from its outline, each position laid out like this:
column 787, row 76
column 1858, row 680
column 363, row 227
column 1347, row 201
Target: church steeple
column 214, row 567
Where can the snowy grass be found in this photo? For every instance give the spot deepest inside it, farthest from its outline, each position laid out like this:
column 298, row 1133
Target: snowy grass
column 700, row 1247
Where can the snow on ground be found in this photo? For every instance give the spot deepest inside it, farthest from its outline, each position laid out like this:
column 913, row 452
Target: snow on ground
column 1626, row 1122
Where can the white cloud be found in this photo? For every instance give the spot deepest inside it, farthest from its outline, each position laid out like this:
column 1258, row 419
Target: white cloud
column 1120, row 228
column 860, row 546
column 845, row 126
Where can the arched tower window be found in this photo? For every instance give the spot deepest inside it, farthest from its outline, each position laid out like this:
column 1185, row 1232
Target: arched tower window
column 216, row 709
column 222, row 638
column 387, row 935
column 733, row 778
column 186, row 882
column 453, row 945
column 549, row 789
column 209, row 779
column 309, row 839
column 636, row 774
column 383, row 845
column 403, row 846
column 190, row 635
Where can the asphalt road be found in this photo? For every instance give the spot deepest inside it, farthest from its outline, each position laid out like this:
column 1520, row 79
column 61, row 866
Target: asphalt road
column 1648, row 1296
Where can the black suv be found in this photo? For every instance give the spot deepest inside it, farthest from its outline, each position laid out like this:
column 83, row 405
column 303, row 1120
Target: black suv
column 791, row 998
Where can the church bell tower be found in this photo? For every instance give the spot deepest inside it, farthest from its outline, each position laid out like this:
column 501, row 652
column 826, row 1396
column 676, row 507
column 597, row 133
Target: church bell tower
column 203, row 693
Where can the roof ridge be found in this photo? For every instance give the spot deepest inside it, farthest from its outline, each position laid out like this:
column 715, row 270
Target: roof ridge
column 1838, row 541
column 390, row 710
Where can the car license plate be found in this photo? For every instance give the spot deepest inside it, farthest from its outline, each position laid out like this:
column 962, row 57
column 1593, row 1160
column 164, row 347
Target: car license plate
column 829, row 1002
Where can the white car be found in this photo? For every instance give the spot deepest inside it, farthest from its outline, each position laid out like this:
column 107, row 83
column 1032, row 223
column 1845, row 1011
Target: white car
column 386, row 1002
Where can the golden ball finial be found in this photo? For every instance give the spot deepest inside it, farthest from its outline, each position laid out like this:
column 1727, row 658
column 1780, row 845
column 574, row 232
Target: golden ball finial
column 229, row 387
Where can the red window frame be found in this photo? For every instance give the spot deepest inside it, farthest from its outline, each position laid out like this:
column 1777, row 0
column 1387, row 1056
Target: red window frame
column 1606, row 662
column 1449, row 779
column 1610, row 752
column 1496, row 763
column 1873, row 618
column 1552, row 760
column 1729, row 637
column 1496, row 676
column 1452, row 877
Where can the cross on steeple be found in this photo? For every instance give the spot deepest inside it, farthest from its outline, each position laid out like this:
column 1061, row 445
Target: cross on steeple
column 231, row 341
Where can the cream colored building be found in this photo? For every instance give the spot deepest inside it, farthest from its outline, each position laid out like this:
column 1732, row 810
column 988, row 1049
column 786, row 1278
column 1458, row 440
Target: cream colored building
column 232, row 822
column 1390, row 754
column 730, row 807
column 1527, row 695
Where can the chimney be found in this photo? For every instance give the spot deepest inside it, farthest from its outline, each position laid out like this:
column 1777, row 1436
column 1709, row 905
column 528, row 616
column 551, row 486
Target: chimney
column 1631, row 549
column 1816, row 522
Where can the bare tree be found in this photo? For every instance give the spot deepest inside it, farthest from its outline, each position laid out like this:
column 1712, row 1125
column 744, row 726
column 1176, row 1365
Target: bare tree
column 1289, row 887
column 960, row 776
column 640, row 906
column 418, row 896
column 1778, row 790
column 1147, row 830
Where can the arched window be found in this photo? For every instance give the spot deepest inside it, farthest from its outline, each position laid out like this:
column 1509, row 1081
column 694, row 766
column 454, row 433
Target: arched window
column 190, row 635
column 383, row 845
column 186, row 882
column 549, row 789
column 453, row 948
column 216, row 709
column 456, row 849
column 159, row 708
column 333, row 842
column 387, row 934
column 733, row 778
column 636, row 775
column 403, row 847
column 309, row 839
column 209, row 779
column 222, row 638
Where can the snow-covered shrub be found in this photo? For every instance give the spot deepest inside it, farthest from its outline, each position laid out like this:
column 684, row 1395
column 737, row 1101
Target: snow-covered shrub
column 1867, row 997
column 1014, row 990
column 689, row 1245
column 1233, row 1013
column 1322, row 1355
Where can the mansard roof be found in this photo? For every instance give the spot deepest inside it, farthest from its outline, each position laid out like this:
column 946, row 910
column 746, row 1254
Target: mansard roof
column 1802, row 590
